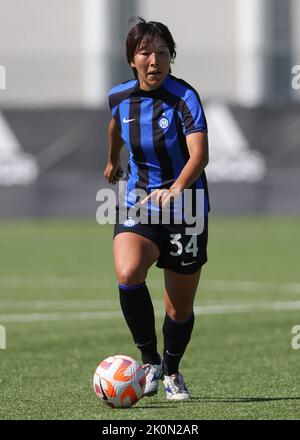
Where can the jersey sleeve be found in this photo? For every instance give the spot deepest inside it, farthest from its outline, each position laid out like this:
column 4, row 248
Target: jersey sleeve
column 115, row 111
column 193, row 117
column 112, row 105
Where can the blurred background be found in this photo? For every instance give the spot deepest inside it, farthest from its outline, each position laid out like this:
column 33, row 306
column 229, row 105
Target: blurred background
column 58, row 295
column 60, row 58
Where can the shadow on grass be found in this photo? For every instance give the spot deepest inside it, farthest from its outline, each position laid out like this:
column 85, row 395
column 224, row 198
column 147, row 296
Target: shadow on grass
column 240, row 399
column 207, row 399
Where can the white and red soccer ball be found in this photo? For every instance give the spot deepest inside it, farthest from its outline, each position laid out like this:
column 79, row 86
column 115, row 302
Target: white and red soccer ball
column 119, row 381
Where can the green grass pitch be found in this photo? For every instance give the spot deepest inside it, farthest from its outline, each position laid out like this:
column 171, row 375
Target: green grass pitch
column 59, row 306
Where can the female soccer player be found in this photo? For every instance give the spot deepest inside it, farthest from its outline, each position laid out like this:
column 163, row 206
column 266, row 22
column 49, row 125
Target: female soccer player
column 161, row 121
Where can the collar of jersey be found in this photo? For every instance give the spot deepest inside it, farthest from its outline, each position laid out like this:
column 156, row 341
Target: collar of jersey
column 151, row 93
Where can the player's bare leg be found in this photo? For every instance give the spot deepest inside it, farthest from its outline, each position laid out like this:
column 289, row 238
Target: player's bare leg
column 179, row 294
column 133, row 255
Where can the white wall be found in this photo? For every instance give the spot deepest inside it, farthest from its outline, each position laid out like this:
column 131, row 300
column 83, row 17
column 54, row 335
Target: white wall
column 205, row 35
column 51, row 57
column 40, row 49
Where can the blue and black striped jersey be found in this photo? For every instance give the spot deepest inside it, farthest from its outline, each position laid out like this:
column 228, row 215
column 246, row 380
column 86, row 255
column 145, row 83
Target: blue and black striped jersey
column 154, row 125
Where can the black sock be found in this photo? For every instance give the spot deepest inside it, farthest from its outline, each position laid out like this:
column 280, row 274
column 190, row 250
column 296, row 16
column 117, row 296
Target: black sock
column 176, row 339
column 138, row 311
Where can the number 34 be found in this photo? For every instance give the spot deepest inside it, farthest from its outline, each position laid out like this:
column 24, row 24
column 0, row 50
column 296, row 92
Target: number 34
column 191, row 247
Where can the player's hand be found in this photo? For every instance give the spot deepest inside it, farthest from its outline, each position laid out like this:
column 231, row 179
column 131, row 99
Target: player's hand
column 113, row 172
column 162, row 196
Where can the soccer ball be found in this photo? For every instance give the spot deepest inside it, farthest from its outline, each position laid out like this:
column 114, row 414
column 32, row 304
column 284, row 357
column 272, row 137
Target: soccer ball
column 119, row 381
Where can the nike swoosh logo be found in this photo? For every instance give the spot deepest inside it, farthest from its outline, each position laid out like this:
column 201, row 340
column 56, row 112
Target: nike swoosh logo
column 127, row 120
column 174, row 354
column 187, row 264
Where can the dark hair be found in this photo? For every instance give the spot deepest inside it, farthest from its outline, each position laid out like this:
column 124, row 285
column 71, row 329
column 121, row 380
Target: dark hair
column 147, row 31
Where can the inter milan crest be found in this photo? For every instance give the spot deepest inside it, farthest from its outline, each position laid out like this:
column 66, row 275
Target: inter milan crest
column 163, row 122
column 129, row 222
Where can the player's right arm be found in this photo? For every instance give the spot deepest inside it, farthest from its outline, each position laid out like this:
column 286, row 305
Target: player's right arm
column 113, row 170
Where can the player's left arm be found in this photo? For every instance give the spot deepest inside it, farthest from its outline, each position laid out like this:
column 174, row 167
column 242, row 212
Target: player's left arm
column 197, row 144
column 195, row 129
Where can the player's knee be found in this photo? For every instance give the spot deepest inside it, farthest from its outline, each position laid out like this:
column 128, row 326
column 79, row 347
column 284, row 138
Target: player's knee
column 130, row 276
column 178, row 314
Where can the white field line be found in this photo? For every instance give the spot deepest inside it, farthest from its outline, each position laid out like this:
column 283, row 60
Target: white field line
column 63, row 304
column 98, row 283
column 113, row 314
column 58, row 304
column 106, row 305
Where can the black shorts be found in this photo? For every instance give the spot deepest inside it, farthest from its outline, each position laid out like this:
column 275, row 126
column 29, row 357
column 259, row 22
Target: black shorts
column 179, row 252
